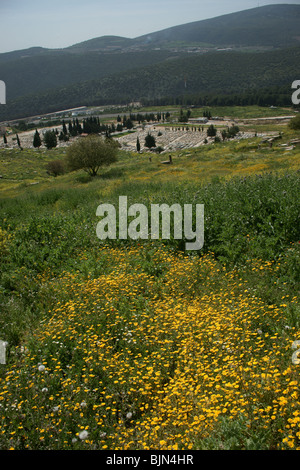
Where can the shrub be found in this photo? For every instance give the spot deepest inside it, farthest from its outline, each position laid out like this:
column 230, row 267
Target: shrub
column 295, row 123
column 56, row 168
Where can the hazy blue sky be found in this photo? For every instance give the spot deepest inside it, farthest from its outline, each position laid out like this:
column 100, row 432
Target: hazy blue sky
column 61, row 23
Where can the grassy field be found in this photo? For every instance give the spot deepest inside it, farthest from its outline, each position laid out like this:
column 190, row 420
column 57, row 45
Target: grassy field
column 140, row 344
column 232, row 112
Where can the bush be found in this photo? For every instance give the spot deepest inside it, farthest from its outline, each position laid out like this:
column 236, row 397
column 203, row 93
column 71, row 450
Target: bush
column 56, row 168
column 295, row 123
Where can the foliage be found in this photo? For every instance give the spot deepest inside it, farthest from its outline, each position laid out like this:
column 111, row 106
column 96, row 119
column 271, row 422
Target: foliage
column 184, row 117
column 211, row 131
column 231, row 78
column 295, row 123
column 231, row 132
column 37, row 142
column 50, row 139
column 55, row 168
column 150, row 141
column 138, row 344
column 91, row 153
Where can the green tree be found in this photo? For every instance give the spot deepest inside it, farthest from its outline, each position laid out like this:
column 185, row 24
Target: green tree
column 50, row 139
column 129, row 124
column 211, row 131
column 37, row 139
column 150, row 141
column 91, row 153
column 138, row 145
column 64, row 128
column 4, row 139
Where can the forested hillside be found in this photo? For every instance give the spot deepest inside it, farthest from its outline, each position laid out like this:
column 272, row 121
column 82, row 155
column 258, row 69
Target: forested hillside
column 231, row 74
column 250, row 56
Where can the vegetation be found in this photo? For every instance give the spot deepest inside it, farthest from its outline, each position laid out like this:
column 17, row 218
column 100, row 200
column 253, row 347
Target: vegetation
column 55, row 167
column 138, row 344
column 211, row 131
column 91, row 153
column 37, row 142
column 295, row 123
column 213, row 79
column 150, row 141
column 50, row 139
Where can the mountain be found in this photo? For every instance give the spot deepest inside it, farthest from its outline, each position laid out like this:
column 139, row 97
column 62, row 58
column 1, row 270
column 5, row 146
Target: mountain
column 268, row 26
column 106, row 68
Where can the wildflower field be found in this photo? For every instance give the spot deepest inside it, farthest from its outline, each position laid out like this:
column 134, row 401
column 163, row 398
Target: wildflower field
column 133, row 345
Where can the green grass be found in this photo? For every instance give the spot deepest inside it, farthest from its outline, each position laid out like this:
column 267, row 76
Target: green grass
column 69, row 299
column 232, row 112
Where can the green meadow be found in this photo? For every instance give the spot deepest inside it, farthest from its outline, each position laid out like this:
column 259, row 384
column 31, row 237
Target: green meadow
column 124, row 344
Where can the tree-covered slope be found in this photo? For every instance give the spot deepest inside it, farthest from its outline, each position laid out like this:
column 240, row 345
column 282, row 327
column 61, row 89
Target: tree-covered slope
column 213, row 73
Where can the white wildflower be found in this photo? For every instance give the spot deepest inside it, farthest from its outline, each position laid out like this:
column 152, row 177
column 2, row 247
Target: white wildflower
column 83, row 435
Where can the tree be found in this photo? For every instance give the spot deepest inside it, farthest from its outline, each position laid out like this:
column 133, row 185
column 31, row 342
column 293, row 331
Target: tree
column 128, row 124
column 4, row 139
column 150, row 141
column 211, row 131
column 138, row 145
column 64, row 128
column 50, row 139
column 90, row 153
column 18, row 141
column 37, row 140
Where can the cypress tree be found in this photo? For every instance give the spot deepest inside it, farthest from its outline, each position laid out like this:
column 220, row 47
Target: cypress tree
column 37, row 140
column 64, row 129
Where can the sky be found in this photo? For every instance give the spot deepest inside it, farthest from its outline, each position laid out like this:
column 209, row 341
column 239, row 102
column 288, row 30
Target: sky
column 62, row 23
